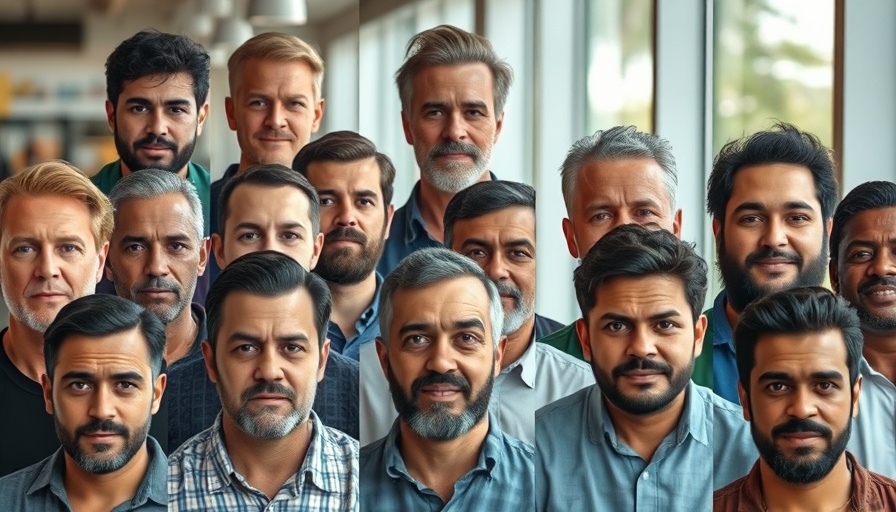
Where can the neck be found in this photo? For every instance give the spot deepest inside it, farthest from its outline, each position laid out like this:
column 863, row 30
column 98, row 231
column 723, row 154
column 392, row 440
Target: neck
column 644, row 433
column 518, row 341
column 433, row 203
column 831, row 493
column 180, row 335
column 350, row 301
column 266, row 463
column 125, row 170
column 879, row 349
column 25, row 348
column 89, row 491
column 440, row 464
column 731, row 315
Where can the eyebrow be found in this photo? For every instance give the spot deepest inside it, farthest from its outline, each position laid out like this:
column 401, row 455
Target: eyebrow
column 239, row 336
column 145, row 102
column 760, row 206
column 663, row 315
column 34, row 241
column 640, row 203
column 179, row 237
column 335, row 192
column 283, row 225
column 80, row 375
column 471, row 323
column 820, row 375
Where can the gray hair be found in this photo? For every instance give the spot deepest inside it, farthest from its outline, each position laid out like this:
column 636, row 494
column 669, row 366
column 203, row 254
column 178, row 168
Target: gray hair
column 429, row 266
column 154, row 183
column 618, row 143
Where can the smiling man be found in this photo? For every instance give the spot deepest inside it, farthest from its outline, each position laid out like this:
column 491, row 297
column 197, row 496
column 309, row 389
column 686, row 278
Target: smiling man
column 771, row 197
column 798, row 355
column 102, row 386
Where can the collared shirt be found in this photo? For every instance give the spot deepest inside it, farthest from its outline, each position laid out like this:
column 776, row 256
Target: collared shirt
column 40, row 487
column 194, row 401
column 406, row 235
column 720, row 339
column 870, row 492
column 500, row 481
column 565, row 340
column 201, row 476
column 873, row 440
column 515, row 394
column 179, row 381
column 582, row 464
column 367, row 327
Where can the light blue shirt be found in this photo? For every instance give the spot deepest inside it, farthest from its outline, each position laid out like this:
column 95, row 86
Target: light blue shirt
column 581, row 463
column 873, row 440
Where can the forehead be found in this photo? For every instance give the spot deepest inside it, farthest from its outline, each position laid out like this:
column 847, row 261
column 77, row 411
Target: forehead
column 113, row 353
column 259, row 315
column 165, row 212
column 870, row 225
column 507, row 224
column 258, row 74
column 177, row 86
column 345, row 176
column 28, row 215
column 250, row 202
column 463, row 82
column 800, row 354
column 441, row 303
column 773, row 186
column 621, row 182
column 641, row 297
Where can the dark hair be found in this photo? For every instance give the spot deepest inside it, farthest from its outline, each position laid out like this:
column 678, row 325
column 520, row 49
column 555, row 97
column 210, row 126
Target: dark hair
column 634, row 251
column 870, row 195
column 346, row 146
column 150, row 52
column 810, row 309
column 269, row 175
column 268, row 274
column 485, row 197
column 784, row 143
column 101, row 315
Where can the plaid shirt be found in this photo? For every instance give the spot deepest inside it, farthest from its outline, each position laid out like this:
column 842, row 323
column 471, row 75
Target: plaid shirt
column 201, row 476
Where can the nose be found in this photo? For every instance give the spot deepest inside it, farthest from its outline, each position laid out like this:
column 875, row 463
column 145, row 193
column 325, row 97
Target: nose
column 276, row 118
column 268, row 367
column 623, row 218
column 158, row 124
column 775, row 233
column 346, row 214
column 441, row 357
column 802, row 403
column 102, row 403
column 157, row 261
column 496, row 268
column 642, row 344
column 883, row 263
column 48, row 266
column 455, row 127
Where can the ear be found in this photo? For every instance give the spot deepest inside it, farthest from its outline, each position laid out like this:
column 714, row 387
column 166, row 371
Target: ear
column 829, row 225
column 676, row 224
column 856, row 391
column 744, row 401
column 499, row 123
column 101, row 254
column 699, row 334
column 110, row 115
column 835, row 276
column 318, row 246
column 499, row 354
column 570, row 235
column 47, row 388
column 390, row 212
column 324, row 357
column 108, row 270
column 158, row 389
column 203, row 115
column 218, row 249
column 406, row 126
column 205, row 246
column 209, row 356
column 382, row 353
column 228, row 112
column 584, row 339
column 318, row 115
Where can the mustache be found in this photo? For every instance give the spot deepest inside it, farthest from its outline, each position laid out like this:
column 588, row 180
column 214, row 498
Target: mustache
column 345, row 233
column 797, row 425
column 642, row 364
column 441, row 378
column 271, row 388
column 508, row 289
column 454, row 147
column 44, row 288
column 101, row 426
column 768, row 252
column 155, row 139
column 275, row 134
column 877, row 281
column 158, row 282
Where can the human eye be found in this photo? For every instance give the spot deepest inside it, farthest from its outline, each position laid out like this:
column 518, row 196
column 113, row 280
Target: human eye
column 291, row 236
column 293, row 348
column 248, row 236
column 615, row 326
column 476, row 254
column 246, row 349
column 177, row 247
column 69, row 248
column 749, row 220
column 468, row 338
column 826, row 387
column 645, row 212
column 78, row 385
column 860, row 255
column 519, row 254
column 134, row 247
column 327, row 201
column 777, row 388
column 24, row 249
column 415, row 341
column 433, row 112
column 128, row 386
column 600, row 216
column 799, row 218
column 666, row 325
column 257, row 103
column 138, row 109
column 365, row 202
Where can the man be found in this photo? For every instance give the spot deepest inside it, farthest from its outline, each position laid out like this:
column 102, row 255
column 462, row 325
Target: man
column 274, row 106
column 268, row 207
column 798, row 355
column 266, row 352
column 157, row 90
column 771, row 197
column 863, row 271
column 452, row 87
column 103, row 383
column 614, row 177
column 54, row 232
column 354, row 184
column 441, row 351
column 644, row 435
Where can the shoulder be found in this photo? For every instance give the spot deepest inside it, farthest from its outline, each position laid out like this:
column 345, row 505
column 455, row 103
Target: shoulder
column 557, row 358
column 728, row 497
column 570, row 406
column 192, row 449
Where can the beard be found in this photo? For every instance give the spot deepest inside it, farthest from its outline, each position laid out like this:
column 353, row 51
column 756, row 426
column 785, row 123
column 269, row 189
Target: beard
column 797, row 471
column 164, row 312
column 99, row 465
column 264, row 423
column 869, row 320
column 128, row 153
column 521, row 310
column 438, row 423
column 649, row 403
column 340, row 265
column 453, row 177
column 742, row 289
column 40, row 321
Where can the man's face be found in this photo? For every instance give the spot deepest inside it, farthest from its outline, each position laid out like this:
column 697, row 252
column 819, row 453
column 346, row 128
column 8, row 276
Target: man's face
column 441, row 360
column 48, row 257
column 156, row 122
column 452, row 124
column 866, row 271
column 268, row 218
column 102, row 398
column 267, row 362
column 641, row 340
column 352, row 216
column 157, row 255
column 774, row 237
column 273, row 111
column 800, row 403
column 610, row 193
column 502, row 242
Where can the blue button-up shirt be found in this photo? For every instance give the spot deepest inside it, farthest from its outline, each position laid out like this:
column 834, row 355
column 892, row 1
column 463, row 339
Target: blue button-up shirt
column 724, row 362
column 501, row 480
column 367, row 327
column 40, row 487
column 873, row 440
column 582, row 464
column 406, row 235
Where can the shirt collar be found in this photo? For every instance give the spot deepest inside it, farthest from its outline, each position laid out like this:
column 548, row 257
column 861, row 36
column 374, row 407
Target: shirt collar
column 527, row 363
column 369, row 316
column 415, row 226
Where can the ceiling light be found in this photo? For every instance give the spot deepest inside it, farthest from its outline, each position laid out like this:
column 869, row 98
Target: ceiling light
column 277, row 12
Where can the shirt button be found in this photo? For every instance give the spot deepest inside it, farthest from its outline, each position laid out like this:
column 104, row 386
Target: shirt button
column 646, row 475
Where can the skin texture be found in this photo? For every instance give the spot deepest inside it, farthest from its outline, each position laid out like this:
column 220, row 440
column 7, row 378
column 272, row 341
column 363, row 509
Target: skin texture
column 156, row 122
column 611, row 193
column 273, row 111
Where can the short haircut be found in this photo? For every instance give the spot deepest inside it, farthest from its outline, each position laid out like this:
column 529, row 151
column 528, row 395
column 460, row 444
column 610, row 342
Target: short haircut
column 103, row 315
column 805, row 310
column 635, row 251
column 870, row 195
column 485, row 197
column 149, row 53
column 618, row 143
column 277, row 47
column 267, row 274
column 446, row 45
column 782, row 144
column 60, row 178
column 273, row 176
column 346, row 146
column 150, row 183
column 425, row 267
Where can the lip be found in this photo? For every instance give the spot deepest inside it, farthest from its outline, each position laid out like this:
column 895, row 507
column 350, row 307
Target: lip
column 342, row 241
column 440, row 392
column 268, row 397
column 881, row 293
column 47, row 295
column 800, row 438
column 643, row 376
column 101, row 436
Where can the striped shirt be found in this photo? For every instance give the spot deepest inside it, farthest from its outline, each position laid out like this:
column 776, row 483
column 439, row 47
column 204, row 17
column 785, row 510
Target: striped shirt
column 201, row 476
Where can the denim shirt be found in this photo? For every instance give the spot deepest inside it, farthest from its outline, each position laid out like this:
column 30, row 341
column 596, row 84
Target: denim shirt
column 724, row 362
column 367, row 327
